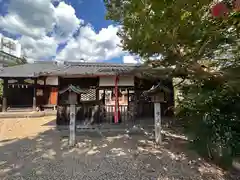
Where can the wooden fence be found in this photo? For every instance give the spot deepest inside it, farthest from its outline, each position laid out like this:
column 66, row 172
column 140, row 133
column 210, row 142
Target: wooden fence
column 93, row 114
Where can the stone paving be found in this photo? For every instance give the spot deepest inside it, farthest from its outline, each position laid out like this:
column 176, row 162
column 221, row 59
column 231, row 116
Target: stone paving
column 31, row 149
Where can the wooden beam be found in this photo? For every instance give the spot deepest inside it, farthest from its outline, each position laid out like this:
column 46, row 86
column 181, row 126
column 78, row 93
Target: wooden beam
column 128, row 99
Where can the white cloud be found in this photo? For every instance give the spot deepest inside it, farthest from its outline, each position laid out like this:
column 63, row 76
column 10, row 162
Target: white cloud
column 29, row 17
column 36, row 19
column 14, row 24
column 129, row 59
column 92, row 46
column 67, row 22
column 39, row 48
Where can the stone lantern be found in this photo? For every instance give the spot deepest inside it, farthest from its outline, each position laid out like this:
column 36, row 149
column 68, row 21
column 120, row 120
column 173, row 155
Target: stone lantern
column 73, row 91
column 158, row 96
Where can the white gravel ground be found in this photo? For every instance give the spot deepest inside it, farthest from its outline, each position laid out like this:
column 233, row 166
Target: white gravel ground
column 31, row 149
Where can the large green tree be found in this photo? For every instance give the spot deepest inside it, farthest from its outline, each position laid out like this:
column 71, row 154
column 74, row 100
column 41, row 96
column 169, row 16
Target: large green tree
column 186, row 35
column 183, row 33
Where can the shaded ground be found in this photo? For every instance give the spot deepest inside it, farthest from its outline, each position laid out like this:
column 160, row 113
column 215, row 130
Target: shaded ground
column 32, row 149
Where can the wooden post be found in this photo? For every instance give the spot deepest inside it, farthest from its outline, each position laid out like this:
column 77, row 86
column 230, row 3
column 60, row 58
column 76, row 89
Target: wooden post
column 157, row 118
column 72, row 124
column 4, row 99
column 34, row 95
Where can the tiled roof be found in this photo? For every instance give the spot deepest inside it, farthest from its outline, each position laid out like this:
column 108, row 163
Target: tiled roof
column 51, row 68
column 26, row 70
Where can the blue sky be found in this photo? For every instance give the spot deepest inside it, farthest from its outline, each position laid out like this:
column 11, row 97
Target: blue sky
column 70, row 30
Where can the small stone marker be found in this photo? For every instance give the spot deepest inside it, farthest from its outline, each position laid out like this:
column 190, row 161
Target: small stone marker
column 157, row 94
column 72, row 99
column 72, row 125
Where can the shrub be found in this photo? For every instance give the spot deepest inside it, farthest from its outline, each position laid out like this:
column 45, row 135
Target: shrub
column 210, row 114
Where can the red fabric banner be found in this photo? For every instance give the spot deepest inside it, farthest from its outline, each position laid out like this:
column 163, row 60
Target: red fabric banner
column 53, row 96
column 116, row 112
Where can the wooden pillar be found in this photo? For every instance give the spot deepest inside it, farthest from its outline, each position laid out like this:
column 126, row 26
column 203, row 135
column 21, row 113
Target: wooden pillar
column 157, row 118
column 4, row 99
column 97, row 90
column 136, row 102
column 135, row 98
column 34, row 95
column 128, row 99
column 97, row 94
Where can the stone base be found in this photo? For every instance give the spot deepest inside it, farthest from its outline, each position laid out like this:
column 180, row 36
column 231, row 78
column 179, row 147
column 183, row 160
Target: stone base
column 26, row 114
column 236, row 165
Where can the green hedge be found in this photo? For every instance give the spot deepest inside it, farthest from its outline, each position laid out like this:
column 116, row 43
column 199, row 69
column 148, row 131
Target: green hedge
column 210, row 114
